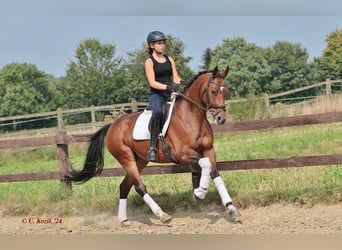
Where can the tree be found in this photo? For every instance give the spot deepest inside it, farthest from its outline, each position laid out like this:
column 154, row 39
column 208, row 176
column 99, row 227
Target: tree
column 175, row 48
column 57, row 88
column 328, row 66
column 92, row 77
column 248, row 66
column 333, row 54
column 23, row 90
column 206, row 58
column 289, row 66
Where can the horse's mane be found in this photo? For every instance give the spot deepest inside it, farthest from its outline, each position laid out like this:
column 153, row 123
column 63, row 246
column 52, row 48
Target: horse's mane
column 196, row 76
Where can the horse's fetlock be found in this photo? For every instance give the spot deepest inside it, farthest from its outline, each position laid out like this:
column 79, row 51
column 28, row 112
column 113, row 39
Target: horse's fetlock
column 200, row 192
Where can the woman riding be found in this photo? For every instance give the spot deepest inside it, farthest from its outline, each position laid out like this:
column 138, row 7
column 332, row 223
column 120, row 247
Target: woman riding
column 162, row 76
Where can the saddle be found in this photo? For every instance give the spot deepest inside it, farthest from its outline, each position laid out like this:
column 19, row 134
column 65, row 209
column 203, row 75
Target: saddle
column 141, row 129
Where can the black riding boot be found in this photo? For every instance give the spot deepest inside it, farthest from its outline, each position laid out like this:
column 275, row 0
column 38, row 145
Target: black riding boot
column 152, row 154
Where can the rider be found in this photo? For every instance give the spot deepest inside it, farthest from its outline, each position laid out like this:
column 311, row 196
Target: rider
column 163, row 79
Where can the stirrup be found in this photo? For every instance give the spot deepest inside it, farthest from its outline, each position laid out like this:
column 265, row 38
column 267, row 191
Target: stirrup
column 152, row 154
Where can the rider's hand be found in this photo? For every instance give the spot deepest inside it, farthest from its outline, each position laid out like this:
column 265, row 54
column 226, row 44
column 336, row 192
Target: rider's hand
column 184, row 83
column 173, row 88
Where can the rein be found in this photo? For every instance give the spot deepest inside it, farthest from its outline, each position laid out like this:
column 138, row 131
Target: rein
column 192, row 101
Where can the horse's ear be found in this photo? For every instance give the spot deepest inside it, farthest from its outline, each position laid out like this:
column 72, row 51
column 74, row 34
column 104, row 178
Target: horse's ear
column 215, row 72
column 225, row 72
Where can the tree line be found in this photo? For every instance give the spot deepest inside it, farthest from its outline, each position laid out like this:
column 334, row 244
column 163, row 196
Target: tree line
column 96, row 76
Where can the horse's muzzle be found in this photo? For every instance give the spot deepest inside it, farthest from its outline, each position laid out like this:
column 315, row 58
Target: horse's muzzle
column 219, row 116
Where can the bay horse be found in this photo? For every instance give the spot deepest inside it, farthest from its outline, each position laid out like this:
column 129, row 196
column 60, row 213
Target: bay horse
column 189, row 137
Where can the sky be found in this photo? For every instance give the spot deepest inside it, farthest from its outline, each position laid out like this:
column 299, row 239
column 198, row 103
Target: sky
column 48, row 36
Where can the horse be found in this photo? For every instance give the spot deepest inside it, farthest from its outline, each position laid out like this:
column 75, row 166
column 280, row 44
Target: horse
column 189, row 138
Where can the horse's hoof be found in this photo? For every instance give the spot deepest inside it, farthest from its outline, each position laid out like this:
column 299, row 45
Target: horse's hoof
column 196, row 199
column 125, row 223
column 164, row 217
column 233, row 212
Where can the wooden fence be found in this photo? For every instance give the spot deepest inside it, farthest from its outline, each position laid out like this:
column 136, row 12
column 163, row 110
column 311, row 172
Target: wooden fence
column 61, row 139
column 132, row 106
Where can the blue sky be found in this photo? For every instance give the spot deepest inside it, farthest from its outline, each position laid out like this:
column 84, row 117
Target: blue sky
column 168, row 7
column 47, row 34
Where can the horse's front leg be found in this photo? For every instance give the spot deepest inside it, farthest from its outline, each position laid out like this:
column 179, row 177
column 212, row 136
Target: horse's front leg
column 209, row 170
column 225, row 197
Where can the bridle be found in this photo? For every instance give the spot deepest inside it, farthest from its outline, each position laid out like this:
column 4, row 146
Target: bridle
column 206, row 93
column 212, row 106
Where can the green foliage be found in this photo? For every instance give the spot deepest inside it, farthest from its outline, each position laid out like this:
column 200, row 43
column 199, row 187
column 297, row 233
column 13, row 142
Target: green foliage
column 328, row 66
column 93, row 76
column 23, row 90
column 248, row 66
column 206, row 58
column 257, row 70
column 288, row 64
column 253, row 108
column 136, row 85
column 57, row 87
column 175, row 48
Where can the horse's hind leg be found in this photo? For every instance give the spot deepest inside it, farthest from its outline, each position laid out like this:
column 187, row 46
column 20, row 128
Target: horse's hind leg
column 141, row 189
column 133, row 178
column 125, row 187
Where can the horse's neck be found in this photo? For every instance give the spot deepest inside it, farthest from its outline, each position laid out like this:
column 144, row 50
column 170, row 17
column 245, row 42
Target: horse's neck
column 191, row 110
column 191, row 106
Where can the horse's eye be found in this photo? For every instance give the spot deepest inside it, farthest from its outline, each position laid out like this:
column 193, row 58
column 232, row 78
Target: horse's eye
column 214, row 92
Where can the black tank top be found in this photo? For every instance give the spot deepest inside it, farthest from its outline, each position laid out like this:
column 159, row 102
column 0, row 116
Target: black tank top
column 162, row 74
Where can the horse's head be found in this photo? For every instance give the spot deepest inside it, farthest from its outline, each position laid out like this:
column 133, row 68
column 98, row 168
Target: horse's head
column 214, row 95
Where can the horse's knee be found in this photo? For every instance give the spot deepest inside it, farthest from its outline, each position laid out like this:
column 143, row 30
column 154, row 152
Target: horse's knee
column 202, row 190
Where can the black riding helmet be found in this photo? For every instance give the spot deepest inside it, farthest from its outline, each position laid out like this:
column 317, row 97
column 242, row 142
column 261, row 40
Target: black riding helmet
column 155, row 36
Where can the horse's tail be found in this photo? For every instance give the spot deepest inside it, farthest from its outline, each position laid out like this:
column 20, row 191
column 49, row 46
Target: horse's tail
column 94, row 162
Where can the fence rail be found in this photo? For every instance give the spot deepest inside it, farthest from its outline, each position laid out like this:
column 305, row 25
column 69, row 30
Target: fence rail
column 62, row 140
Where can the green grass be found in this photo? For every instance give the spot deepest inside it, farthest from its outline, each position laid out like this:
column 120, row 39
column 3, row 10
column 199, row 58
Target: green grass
column 284, row 142
column 302, row 186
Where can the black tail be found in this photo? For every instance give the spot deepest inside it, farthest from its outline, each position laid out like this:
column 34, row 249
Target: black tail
column 94, row 162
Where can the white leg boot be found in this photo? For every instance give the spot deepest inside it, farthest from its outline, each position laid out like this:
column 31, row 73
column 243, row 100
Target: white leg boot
column 225, row 197
column 202, row 190
column 122, row 214
column 164, row 217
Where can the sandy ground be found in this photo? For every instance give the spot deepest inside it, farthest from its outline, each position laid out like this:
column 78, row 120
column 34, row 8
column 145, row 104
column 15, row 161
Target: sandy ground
column 275, row 219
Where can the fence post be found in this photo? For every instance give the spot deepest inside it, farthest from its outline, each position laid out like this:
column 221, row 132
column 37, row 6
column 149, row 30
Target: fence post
column 327, row 87
column 134, row 105
column 60, row 119
column 267, row 103
column 63, row 158
column 93, row 119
